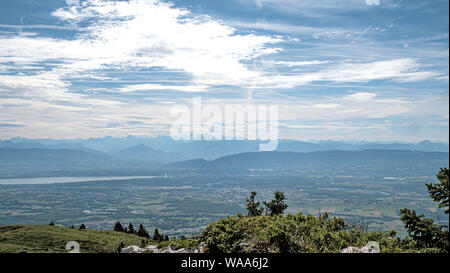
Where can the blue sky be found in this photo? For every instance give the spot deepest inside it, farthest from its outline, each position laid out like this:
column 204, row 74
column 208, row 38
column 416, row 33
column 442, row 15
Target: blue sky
column 374, row 70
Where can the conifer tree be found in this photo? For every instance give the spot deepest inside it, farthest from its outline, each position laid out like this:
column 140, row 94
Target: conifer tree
column 253, row 207
column 119, row 248
column 143, row 243
column 277, row 205
column 439, row 192
column 423, row 230
column 142, row 232
column 156, row 235
column 131, row 228
column 118, row 227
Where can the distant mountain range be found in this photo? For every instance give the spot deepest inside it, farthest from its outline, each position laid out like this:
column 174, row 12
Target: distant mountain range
column 152, row 156
column 299, row 146
column 143, row 153
column 295, row 160
column 143, row 160
column 51, row 157
column 163, row 149
column 58, row 155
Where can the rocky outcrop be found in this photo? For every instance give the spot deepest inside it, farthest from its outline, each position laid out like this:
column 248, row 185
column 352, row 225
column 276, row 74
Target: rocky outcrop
column 156, row 249
column 370, row 247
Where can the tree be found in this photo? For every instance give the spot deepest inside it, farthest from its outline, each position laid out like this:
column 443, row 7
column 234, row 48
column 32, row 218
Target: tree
column 156, row 235
column 82, row 226
column 142, row 232
column 118, row 227
column 51, row 224
column 439, row 192
column 423, row 230
column 277, row 205
column 119, row 248
column 144, row 243
column 253, row 207
column 131, row 228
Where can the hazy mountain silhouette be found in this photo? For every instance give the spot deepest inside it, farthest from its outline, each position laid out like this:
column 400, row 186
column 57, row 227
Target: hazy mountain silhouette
column 211, row 149
column 51, row 157
column 294, row 160
column 143, row 153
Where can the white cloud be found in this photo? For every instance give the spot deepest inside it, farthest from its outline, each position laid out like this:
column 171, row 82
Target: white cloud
column 150, row 87
column 46, row 85
column 73, row 2
column 300, row 63
column 360, row 97
column 373, row 2
column 208, row 50
column 313, row 8
column 326, row 105
column 279, row 27
column 39, row 27
column 138, row 35
column 405, row 70
column 339, row 126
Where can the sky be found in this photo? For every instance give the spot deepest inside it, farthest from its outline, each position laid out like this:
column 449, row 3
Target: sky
column 364, row 70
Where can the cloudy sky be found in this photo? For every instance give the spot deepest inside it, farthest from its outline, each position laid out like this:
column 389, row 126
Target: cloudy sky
column 374, row 70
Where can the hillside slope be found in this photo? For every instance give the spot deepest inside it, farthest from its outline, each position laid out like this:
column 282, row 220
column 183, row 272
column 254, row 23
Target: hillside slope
column 143, row 153
column 40, row 239
column 51, row 157
column 323, row 159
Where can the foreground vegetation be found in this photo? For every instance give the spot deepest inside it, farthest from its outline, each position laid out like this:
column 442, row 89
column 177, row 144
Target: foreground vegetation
column 293, row 234
column 40, row 239
column 264, row 229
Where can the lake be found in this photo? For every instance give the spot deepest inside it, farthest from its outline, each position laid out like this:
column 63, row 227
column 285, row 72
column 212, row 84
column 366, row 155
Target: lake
column 52, row 180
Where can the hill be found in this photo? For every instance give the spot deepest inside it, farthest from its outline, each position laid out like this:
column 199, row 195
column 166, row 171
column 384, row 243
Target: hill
column 321, row 159
column 51, row 157
column 37, row 145
column 300, row 146
column 53, row 239
column 144, row 153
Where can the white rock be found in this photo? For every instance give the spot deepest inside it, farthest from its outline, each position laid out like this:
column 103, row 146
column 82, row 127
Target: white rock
column 370, row 247
column 152, row 248
column 155, row 249
column 131, row 249
column 181, row 250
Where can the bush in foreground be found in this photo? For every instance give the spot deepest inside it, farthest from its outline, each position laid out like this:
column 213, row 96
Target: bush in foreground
column 292, row 234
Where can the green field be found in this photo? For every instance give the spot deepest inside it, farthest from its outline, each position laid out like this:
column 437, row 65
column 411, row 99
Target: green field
column 53, row 239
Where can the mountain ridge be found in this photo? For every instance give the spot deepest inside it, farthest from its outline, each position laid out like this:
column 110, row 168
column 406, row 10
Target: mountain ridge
column 289, row 160
column 216, row 148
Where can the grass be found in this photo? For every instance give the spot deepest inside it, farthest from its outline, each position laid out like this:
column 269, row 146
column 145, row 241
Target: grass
column 53, row 239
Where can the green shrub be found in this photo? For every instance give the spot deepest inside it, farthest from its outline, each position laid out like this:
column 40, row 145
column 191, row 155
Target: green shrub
column 291, row 234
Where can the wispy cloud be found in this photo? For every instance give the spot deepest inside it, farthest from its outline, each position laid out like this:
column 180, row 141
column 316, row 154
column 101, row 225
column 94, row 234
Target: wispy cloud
column 406, row 70
column 40, row 27
column 300, row 63
column 361, row 97
column 150, row 87
column 97, row 67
